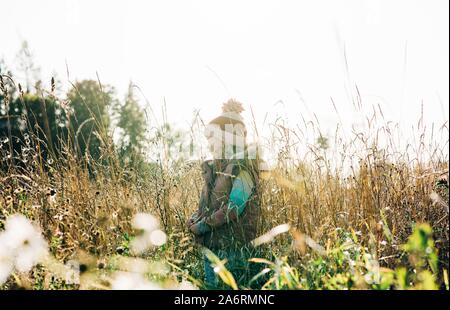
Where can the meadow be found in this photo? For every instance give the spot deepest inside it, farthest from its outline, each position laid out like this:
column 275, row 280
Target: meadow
column 366, row 213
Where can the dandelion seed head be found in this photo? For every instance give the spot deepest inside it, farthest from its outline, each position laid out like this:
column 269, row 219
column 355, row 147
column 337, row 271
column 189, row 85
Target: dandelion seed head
column 144, row 221
column 158, row 237
column 22, row 245
column 139, row 244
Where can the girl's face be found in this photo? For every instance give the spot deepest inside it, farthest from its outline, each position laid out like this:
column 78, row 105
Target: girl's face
column 225, row 144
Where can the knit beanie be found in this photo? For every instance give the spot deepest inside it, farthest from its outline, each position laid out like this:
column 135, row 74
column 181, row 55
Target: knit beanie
column 230, row 115
column 228, row 129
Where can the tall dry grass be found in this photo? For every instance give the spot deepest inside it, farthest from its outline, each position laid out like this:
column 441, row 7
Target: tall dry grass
column 366, row 184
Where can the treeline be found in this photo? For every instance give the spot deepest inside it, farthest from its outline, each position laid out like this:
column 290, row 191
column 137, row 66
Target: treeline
column 54, row 123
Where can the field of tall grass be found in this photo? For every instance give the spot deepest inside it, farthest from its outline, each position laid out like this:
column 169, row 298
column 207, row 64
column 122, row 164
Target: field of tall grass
column 364, row 213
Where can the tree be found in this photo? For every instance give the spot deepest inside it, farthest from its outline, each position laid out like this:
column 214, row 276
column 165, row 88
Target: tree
column 90, row 119
column 31, row 119
column 132, row 123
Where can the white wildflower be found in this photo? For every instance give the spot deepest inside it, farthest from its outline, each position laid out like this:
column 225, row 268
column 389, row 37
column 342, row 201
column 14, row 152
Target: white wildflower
column 132, row 281
column 140, row 243
column 6, row 262
column 150, row 235
column 23, row 243
column 186, row 285
column 158, row 237
column 144, row 221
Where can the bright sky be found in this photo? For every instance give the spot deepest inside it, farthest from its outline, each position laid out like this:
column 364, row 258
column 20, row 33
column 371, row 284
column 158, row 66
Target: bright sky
column 197, row 54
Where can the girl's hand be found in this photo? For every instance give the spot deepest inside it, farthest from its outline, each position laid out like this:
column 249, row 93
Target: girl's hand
column 190, row 222
column 199, row 228
column 195, row 229
column 192, row 219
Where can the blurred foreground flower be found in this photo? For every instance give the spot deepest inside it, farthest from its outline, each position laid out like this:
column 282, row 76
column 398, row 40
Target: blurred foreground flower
column 150, row 234
column 21, row 246
column 6, row 263
column 132, row 281
column 271, row 234
column 186, row 285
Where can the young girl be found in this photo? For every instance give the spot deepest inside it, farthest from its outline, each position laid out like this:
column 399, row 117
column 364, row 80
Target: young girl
column 228, row 213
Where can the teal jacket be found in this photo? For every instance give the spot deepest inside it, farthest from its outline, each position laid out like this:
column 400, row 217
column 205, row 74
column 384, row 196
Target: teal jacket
column 241, row 191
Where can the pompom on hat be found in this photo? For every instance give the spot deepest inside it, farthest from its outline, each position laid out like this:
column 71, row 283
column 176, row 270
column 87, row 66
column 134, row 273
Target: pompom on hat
column 231, row 114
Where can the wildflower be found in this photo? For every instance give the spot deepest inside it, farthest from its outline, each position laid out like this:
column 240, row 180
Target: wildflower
column 18, row 191
column 150, row 234
column 51, row 195
column 72, row 274
column 158, row 237
column 51, row 192
column 22, row 246
column 6, row 262
column 144, row 221
column 186, row 285
column 9, row 200
column 132, row 281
